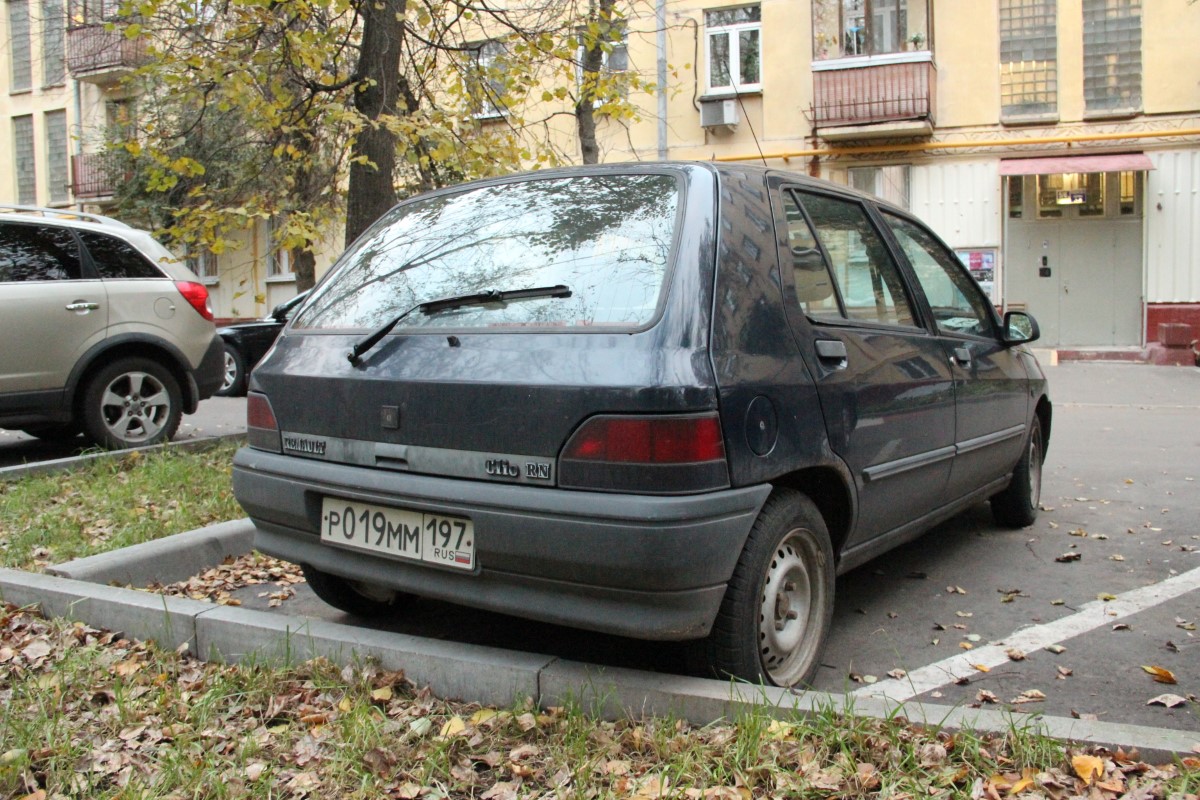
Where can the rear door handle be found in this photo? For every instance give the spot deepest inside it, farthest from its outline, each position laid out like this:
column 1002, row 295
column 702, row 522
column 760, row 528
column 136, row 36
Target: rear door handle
column 962, row 356
column 832, row 350
column 81, row 305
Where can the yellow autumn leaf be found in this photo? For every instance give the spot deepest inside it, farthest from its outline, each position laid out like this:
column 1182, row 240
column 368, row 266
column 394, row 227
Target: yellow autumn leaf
column 453, row 727
column 345, row 705
column 1020, row 786
column 1088, row 768
column 483, row 715
column 382, row 695
column 982, row 667
column 1160, row 674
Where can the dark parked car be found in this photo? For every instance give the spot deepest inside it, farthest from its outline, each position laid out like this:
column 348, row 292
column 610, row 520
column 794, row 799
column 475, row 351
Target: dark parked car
column 666, row 401
column 247, row 342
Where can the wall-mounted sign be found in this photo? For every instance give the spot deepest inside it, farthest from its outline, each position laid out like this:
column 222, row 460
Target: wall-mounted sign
column 981, row 262
column 1071, row 197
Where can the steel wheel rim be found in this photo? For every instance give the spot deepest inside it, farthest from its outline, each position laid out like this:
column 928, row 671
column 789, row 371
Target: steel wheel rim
column 135, row 407
column 230, row 372
column 785, row 612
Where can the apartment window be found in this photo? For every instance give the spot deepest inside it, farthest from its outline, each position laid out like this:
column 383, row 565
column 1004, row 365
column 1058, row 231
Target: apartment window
column 24, row 156
column 1130, row 184
column 869, row 27
column 53, row 32
column 56, row 156
column 887, row 183
column 119, row 120
column 734, row 49
column 488, row 86
column 279, row 264
column 94, row 12
column 1112, row 55
column 19, row 46
column 204, row 264
column 1083, row 191
column 614, row 54
column 1028, row 58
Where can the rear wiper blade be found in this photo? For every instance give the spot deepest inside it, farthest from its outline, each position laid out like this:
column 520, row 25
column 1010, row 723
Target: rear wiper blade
column 455, row 301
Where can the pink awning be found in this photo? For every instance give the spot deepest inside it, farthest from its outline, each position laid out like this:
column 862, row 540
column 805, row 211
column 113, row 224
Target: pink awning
column 1119, row 162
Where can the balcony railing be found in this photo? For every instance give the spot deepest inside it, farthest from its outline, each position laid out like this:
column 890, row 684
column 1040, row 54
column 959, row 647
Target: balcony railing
column 92, row 176
column 867, row 94
column 100, row 55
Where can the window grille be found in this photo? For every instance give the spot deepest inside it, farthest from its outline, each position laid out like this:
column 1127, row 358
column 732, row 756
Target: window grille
column 19, row 47
column 1028, row 57
column 53, row 32
column 1112, row 55
column 24, row 156
column 56, row 156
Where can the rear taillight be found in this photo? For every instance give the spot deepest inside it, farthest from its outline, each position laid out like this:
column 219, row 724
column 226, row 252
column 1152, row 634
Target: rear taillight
column 262, row 430
column 197, row 297
column 646, row 455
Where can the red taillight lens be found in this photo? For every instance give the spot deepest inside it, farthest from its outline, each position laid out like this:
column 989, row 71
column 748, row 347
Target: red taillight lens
column 197, row 297
column 262, row 430
column 646, row 455
column 648, row 440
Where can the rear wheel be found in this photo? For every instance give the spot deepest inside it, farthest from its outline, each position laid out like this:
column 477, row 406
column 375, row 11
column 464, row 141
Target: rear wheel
column 233, row 383
column 777, row 609
column 131, row 402
column 1017, row 506
column 354, row 597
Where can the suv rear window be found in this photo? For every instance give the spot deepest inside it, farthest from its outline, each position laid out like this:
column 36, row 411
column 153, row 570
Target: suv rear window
column 607, row 237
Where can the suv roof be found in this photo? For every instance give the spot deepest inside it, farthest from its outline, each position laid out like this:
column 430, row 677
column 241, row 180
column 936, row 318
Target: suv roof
column 63, row 215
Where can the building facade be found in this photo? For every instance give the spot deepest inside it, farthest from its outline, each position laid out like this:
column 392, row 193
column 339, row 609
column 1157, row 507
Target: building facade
column 1055, row 144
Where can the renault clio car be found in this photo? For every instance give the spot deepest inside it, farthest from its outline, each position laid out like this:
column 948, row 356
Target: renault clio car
column 667, row 401
column 104, row 332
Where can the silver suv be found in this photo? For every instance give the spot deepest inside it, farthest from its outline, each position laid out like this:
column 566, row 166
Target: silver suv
column 105, row 332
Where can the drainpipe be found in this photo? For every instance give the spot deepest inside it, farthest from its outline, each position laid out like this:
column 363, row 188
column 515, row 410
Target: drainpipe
column 78, row 102
column 660, row 20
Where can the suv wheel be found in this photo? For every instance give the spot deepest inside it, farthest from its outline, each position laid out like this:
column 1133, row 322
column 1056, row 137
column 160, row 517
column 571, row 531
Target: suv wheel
column 131, row 402
column 779, row 603
column 354, row 597
column 1017, row 506
column 233, row 383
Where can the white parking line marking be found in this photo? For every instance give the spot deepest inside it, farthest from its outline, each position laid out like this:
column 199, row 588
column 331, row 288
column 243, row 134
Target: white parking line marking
column 1090, row 616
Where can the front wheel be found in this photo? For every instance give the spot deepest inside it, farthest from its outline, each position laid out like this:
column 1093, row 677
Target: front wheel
column 1017, row 506
column 131, row 402
column 233, row 381
column 354, row 597
column 773, row 621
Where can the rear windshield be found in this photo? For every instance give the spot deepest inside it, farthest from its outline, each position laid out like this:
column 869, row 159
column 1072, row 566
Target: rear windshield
column 607, row 238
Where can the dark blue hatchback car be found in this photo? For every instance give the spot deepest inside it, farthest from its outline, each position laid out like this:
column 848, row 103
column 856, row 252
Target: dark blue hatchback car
column 667, row 401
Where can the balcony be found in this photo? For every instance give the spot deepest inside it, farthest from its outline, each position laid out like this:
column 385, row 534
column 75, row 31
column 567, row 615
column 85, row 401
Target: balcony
column 92, row 176
column 864, row 98
column 97, row 54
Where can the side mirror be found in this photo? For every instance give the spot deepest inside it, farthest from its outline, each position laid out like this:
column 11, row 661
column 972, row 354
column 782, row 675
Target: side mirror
column 1020, row 328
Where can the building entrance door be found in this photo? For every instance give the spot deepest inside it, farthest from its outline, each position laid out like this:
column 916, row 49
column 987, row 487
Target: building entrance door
column 1076, row 268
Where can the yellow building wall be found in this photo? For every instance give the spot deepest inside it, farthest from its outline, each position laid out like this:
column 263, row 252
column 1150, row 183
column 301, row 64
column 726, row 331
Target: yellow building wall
column 1170, row 56
column 968, row 64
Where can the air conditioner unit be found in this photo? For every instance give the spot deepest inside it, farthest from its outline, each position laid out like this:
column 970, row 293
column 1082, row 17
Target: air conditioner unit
column 719, row 114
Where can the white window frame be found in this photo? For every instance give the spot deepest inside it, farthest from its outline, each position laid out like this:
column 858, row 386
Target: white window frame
column 483, row 58
column 733, row 32
column 619, row 43
column 279, row 259
column 204, row 264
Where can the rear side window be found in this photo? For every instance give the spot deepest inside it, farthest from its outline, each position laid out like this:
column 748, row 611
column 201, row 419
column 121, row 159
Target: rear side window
column 115, row 258
column 606, row 237
column 867, row 277
column 38, row 253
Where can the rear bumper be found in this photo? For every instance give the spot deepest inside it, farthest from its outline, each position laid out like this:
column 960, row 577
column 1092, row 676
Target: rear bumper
column 211, row 372
column 631, row 565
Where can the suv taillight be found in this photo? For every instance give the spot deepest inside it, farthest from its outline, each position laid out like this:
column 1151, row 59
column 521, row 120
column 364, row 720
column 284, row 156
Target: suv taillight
column 646, row 455
column 197, row 297
column 262, row 431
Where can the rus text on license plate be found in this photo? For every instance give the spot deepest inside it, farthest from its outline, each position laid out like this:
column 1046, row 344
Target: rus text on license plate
column 399, row 532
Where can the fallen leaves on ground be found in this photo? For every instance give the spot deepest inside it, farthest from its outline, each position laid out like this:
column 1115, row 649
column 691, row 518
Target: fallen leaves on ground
column 92, row 714
column 1160, row 674
column 251, row 569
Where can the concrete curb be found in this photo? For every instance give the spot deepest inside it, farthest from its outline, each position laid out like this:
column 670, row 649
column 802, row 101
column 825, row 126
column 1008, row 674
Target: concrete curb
column 72, row 462
column 472, row 672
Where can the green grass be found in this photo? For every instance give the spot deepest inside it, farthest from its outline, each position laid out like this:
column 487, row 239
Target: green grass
column 113, row 503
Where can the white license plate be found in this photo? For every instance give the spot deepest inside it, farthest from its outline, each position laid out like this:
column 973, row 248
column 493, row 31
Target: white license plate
column 399, row 532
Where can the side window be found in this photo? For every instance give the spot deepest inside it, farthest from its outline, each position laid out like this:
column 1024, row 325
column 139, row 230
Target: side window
column 958, row 304
column 115, row 258
column 38, row 253
column 866, row 276
column 810, row 273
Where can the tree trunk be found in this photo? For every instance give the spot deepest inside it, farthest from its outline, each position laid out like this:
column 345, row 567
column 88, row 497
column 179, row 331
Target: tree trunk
column 304, row 266
column 593, row 63
column 372, row 188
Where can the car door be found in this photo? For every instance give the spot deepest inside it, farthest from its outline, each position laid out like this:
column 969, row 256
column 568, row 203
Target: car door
column 883, row 380
column 52, row 310
column 990, row 384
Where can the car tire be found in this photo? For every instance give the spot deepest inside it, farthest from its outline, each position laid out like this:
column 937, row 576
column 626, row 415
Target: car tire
column 1017, row 506
column 777, row 609
column 131, row 402
column 234, row 381
column 58, row 432
column 360, row 599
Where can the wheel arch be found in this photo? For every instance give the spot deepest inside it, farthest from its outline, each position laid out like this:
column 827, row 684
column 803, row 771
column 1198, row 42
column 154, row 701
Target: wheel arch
column 133, row 345
column 829, row 490
column 1045, row 412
